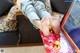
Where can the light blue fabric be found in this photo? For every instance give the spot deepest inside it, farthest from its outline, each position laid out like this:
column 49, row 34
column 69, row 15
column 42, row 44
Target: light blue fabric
column 34, row 10
column 29, row 11
column 41, row 10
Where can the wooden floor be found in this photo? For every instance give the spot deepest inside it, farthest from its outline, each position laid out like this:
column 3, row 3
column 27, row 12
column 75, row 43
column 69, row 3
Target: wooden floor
column 28, row 49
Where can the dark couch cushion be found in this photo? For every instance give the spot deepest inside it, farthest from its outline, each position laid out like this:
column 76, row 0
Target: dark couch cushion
column 60, row 6
column 5, row 6
column 28, row 33
column 9, row 38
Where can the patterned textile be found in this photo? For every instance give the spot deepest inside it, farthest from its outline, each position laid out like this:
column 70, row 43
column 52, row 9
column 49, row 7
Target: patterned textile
column 8, row 22
column 51, row 47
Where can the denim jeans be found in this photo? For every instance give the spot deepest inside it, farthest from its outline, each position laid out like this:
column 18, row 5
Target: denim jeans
column 33, row 10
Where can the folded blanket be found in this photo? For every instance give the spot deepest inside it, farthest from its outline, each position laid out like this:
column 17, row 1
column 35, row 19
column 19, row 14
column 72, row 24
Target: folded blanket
column 9, row 22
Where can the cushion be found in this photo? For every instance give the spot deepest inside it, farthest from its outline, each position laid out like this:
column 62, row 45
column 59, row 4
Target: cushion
column 27, row 31
column 5, row 6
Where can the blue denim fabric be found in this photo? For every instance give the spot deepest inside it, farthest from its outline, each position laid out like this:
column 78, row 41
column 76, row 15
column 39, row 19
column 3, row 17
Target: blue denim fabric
column 34, row 10
column 41, row 10
column 28, row 10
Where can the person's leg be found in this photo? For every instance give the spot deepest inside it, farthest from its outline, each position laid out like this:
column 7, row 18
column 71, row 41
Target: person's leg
column 41, row 9
column 28, row 10
column 42, row 12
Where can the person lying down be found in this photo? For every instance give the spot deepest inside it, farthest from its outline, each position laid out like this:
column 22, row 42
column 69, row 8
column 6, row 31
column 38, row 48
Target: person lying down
column 38, row 15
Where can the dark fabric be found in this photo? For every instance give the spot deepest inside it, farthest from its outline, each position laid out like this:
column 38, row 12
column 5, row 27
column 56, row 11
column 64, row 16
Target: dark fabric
column 9, row 38
column 28, row 33
column 5, row 5
column 60, row 6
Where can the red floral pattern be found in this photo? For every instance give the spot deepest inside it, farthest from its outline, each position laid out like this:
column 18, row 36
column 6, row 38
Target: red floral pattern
column 49, row 43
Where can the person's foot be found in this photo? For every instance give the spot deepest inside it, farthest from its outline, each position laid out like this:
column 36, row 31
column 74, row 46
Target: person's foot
column 44, row 25
column 55, row 22
column 46, row 22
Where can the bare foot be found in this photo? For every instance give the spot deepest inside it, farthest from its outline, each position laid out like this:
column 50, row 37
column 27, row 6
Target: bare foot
column 55, row 22
column 43, row 25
